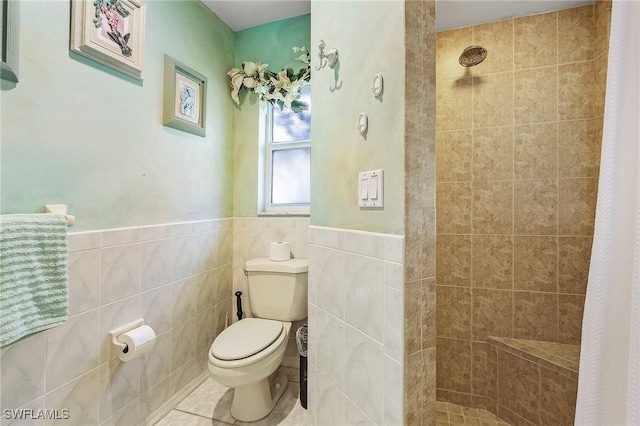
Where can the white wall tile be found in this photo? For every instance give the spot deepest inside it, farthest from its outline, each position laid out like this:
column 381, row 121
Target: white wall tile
column 23, row 371
column 184, row 257
column 393, row 392
column 206, row 290
column 35, row 405
column 364, row 302
column 80, row 397
column 158, row 232
column 185, row 228
column 363, row 379
column 329, row 403
column 119, row 385
column 155, row 259
column 365, row 243
column 330, row 347
column 128, row 415
column 184, row 294
column 156, row 364
column 78, row 241
column 183, row 376
column 394, row 275
column 330, row 280
column 84, row 281
column 153, row 398
column 394, row 248
column 120, row 272
column 354, row 416
column 118, row 237
column 72, row 348
column 207, row 250
column 183, row 344
column 394, row 324
column 156, row 307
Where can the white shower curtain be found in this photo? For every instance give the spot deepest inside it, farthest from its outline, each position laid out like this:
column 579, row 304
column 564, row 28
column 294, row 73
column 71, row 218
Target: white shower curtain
column 609, row 381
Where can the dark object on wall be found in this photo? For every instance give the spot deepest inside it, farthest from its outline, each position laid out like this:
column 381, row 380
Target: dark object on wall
column 240, row 314
column 302, row 339
column 10, row 17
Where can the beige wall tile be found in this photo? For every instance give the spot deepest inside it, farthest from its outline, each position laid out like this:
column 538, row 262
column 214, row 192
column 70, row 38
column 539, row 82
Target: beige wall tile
column 453, row 312
column 493, row 100
column 570, row 310
column 453, row 371
column 535, row 95
column 454, row 208
column 414, row 396
column 600, row 83
column 535, row 40
column 453, row 156
column 497, row 38
column 413, row 30
column 453, row 260
column 602, row 12
column 479, row 369
column 577, row 202
column 578, row 148
column 493, row 153
column 453, row 104
column 575, row 91
column 535, row 316
column 535, row 207
column 518, row 385
column 428, row 314
column 535, row 263
column 449, row 47
column 413, row 299
column 576, row 32
column 415, row 92
column 492, row 207
column 535, row 151
column 419, row 173
column 492, row 313
column 557, row 398
column 492, row 261
column 574, row 254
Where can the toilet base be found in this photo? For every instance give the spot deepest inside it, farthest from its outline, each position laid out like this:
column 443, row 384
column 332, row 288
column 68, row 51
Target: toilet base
column 255, row 401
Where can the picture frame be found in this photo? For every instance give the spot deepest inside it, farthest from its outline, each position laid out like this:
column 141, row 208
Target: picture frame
column 184, row 97
column 10, row 18
column 110, row 33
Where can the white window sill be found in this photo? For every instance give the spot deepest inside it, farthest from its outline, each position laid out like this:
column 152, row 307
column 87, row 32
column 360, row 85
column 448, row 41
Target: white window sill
column 287, row 214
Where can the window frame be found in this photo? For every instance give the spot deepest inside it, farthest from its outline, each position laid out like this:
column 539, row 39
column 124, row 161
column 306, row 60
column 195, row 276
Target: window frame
column 270, row 147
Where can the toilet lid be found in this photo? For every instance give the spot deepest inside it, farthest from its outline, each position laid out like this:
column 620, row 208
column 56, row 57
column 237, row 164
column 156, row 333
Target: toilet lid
column 245, row 338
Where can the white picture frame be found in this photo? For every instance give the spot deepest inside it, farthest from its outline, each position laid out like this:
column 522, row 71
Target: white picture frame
column 112, row 35
column 185, row 92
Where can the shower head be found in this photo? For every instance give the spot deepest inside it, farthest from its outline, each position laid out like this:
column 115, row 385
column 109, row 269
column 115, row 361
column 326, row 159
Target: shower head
column 472, row 56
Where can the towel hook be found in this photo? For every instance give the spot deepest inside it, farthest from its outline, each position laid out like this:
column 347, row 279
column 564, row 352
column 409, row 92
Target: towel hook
column 60, row 209
column 330, row 58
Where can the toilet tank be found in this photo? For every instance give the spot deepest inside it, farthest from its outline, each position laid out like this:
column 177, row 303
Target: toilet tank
column 278, row 290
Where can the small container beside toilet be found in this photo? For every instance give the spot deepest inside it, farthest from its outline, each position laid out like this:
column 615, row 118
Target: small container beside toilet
column 247, row 354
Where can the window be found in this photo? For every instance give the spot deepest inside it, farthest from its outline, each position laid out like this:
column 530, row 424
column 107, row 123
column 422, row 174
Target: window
column 288, row 158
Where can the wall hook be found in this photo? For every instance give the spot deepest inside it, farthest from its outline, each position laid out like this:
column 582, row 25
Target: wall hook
column 330, row 58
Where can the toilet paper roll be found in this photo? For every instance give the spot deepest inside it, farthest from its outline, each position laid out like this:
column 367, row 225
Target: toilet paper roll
column 280, row 251
column 139, row 341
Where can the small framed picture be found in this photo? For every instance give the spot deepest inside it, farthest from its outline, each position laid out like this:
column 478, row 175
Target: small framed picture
column 110, row 32
column 185, row 91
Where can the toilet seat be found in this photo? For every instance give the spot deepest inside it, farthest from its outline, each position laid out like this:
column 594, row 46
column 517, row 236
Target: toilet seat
column 246, row 342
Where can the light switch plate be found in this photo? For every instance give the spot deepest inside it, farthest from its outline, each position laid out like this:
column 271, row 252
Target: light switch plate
column 370, row 189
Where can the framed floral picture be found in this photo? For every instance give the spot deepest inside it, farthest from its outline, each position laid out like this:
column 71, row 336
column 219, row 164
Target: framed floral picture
column 110, row 32
column 185, row 91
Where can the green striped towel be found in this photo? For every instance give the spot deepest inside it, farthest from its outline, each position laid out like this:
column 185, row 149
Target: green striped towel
column 33, row 274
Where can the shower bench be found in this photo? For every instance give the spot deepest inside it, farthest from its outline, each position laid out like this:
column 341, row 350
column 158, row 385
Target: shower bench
column 532, row 382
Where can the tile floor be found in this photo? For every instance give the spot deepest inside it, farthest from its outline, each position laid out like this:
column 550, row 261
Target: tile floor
column 209, row 404
column 452, row 414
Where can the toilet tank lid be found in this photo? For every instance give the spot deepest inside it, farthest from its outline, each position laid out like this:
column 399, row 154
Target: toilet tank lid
column 264, row 264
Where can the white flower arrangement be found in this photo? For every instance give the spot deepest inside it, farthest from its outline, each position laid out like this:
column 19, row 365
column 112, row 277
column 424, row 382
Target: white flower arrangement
column 282, row 88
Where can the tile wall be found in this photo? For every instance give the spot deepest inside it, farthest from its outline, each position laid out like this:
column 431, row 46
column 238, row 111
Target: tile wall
column 356, row 348
column 518, row 145
column 420, row 214
column 180, row 278
column 177, row 277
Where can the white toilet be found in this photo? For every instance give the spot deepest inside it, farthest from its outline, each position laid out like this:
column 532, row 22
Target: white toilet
column 247, row 354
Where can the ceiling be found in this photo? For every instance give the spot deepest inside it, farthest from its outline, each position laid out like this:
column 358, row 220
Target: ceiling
column 241, row 14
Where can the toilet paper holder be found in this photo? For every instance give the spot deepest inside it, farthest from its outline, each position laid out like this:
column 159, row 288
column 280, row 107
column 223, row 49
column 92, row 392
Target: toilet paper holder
column 116, row 332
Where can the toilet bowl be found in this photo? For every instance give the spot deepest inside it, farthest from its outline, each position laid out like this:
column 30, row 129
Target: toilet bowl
column 246, row 356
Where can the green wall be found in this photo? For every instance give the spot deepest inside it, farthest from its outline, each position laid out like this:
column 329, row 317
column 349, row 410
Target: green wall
column 78, row 133
column 370, row 39
column 272, row 44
